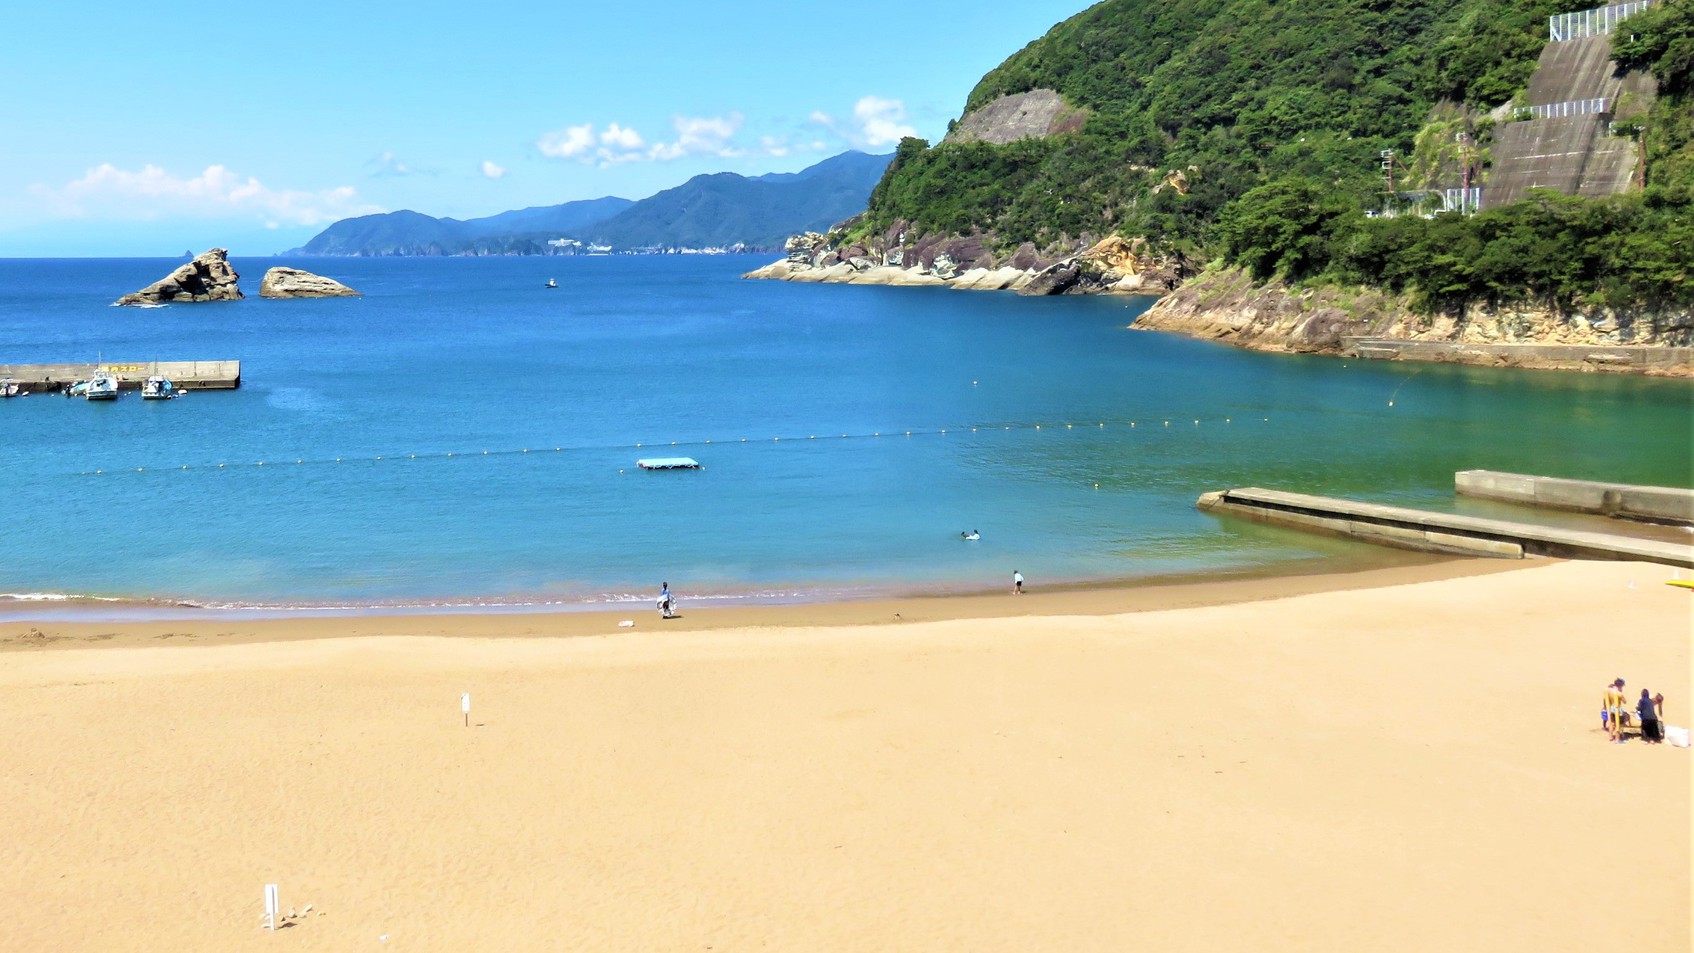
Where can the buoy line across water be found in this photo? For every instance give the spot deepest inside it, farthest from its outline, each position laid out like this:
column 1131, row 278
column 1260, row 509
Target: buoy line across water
column 1160, row 423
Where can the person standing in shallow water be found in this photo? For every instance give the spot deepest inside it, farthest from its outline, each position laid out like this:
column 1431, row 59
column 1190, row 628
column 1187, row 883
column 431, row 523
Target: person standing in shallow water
column 1017, row 583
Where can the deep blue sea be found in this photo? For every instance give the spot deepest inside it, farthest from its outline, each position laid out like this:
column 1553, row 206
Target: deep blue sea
column 462, row 435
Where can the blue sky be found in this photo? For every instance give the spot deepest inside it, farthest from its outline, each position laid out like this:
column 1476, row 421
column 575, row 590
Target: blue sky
column 143, row 129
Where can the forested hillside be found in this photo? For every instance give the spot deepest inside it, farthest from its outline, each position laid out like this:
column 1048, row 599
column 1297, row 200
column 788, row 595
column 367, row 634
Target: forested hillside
column 1250, row 131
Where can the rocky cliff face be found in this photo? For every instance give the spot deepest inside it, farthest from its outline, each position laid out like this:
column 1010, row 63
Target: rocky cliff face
column 1035, row 114
column 1111, row 265
column 295, row 283
column 1225, row 304
column 208, row 277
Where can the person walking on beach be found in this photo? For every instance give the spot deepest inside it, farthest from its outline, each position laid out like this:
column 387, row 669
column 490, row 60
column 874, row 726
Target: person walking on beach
column 1017, row 583
column 1648, row 713
column 665, row 602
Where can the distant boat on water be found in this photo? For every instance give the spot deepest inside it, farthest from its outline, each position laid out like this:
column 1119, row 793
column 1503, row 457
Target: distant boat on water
column 157, row 388
column 9, row 387
column 551, row 284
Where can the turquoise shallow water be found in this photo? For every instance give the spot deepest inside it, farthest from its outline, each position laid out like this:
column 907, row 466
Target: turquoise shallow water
column 1056, row 445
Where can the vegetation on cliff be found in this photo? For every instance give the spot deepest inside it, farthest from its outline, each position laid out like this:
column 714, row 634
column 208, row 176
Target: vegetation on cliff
column 1661, row 40
column 1233, row 93
column 1632, row 250
column 1552, row 249
column 1274, row 114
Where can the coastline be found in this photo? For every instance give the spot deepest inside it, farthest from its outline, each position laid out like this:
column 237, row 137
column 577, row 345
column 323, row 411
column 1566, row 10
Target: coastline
column 1095, row 770
column 1328, row 321
column 73, row 620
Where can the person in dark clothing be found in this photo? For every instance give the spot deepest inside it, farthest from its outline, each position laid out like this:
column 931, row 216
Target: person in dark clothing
column 1648, row 714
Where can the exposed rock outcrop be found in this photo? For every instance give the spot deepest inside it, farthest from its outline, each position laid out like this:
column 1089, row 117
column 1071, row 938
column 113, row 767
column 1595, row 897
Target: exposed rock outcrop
column 1036, row 114
column 208, row 277
column 1226, row 304
column 1112, row 265
column 970, row 262
column 282, row 282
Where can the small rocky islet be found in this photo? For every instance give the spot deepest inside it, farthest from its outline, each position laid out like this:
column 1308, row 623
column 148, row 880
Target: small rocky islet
column 210, row 277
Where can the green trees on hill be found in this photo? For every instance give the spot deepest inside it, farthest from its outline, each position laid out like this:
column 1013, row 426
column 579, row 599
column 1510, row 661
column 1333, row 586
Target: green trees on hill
column 1275, row 113
column 1661, row 40
column 1551, row 249
column 1234, row 93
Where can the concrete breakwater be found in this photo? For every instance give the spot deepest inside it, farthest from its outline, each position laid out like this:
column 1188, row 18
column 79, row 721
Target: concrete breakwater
column 186, row 375
column 1432, row 532
column 1661, row 504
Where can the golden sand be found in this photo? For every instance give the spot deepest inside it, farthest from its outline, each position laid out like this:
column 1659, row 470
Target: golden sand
column 1407, row 759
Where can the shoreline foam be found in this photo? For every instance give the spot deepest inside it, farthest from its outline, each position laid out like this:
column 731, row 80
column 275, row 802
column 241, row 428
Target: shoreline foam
column 76, row 607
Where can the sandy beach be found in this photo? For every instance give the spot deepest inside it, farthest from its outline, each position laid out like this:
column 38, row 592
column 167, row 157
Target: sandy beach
column 1401, row 759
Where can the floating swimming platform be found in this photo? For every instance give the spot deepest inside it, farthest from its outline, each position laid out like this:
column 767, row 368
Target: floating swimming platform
column 669, row 463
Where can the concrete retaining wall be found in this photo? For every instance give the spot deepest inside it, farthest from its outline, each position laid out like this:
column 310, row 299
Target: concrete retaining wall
column 1663, row 504
column 1634, row 358
column 1574, row 154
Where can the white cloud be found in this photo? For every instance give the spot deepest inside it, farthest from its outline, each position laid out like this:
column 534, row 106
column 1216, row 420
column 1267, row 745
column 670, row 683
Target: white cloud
column 773, row 146
column 881, row 121
column 618, row 144
column 705, row 135
column 876, row 122
column 110, row 192
column 491, row 170
column 568, row 143
column 620, row 139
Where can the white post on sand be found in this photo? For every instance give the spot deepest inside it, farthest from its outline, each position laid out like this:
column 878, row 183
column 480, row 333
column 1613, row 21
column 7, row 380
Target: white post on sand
column 465, row 706
column 273, row 906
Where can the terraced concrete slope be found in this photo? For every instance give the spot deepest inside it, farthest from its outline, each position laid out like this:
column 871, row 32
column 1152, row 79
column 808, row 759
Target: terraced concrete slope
column 1575, row 90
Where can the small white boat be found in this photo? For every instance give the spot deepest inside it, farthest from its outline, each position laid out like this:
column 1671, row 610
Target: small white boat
column 157, row 388
column 551, row 283
column 9, row 387
column 102, row 386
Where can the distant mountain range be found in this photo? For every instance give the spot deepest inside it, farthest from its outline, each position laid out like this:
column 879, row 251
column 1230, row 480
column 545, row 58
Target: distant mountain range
column 720, row 210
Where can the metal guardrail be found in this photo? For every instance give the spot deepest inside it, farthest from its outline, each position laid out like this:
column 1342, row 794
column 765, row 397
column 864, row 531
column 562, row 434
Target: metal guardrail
column 1596, row 22
column 1575, row 107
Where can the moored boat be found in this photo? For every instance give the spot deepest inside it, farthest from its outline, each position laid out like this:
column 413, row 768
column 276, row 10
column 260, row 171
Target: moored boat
column 102, row 386
column 157, row 388
column 9, row 387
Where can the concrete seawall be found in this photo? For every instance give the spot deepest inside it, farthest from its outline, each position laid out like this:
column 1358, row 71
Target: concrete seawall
column 1663, row 504
column 186, row 375
column 1626, row 358
column 1432, row 532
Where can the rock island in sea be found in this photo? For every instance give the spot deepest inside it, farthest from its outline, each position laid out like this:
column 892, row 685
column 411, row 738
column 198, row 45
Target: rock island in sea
column 209, row 277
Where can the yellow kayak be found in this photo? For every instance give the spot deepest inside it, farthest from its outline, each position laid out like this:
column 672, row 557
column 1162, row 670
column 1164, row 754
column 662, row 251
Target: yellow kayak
column 1684, row 583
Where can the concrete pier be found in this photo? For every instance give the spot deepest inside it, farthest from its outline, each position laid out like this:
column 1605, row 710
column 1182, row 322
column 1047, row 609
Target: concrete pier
column 186, row 375
column 1662, row 504
column 1432, row 532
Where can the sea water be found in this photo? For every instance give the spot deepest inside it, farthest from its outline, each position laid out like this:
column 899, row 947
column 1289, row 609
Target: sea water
column 462, row 434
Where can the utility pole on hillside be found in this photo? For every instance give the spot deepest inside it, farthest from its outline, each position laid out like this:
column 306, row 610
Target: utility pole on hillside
column 1387, row 156
column 1463, row 139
